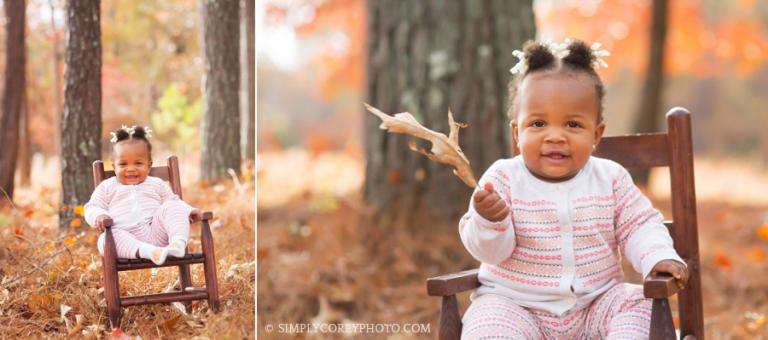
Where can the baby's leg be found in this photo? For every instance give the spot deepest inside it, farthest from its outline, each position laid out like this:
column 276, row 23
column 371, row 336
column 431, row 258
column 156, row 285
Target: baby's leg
column 495, row 315
column 621, row 312
column 127, row 245
column 170, row 227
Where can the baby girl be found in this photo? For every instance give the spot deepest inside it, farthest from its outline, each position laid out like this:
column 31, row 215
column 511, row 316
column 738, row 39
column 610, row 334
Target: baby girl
column 150, row 221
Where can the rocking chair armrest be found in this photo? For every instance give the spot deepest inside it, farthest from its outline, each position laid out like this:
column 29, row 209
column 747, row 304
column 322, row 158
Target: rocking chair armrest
column 207, row 216
column 446, row 285
column 659, row 286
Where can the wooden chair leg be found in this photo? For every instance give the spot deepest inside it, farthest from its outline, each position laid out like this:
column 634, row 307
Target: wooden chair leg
column 111, row 284
column 185, row 280
column 662, row 326
column 211, row 284
column 450, row 322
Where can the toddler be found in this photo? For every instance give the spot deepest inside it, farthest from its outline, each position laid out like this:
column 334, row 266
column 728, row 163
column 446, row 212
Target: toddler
column 150, row 221
column 550, row 225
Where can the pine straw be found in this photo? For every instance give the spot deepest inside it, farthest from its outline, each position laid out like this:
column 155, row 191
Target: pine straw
column 42, row 271
column 319, row 262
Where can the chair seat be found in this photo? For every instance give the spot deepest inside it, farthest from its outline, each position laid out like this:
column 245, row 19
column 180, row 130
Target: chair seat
column 131, row 264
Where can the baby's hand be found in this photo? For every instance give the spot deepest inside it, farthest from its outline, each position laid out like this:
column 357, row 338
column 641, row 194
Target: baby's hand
column 674, row 268
column 100, row 222
column 195, row 215
column 489, row 204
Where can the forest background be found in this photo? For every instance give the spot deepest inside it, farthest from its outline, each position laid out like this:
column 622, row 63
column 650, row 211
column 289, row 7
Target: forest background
column 147, row 63
column 319, row 254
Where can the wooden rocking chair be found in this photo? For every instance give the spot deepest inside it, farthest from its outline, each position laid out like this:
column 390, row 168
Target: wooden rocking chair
column 672, row 149
column 112, row 265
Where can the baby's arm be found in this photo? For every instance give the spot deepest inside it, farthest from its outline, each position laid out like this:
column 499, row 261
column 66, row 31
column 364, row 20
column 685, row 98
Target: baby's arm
column 489, row 241
column 641, row 233
column 166, row 194
column 97, row 206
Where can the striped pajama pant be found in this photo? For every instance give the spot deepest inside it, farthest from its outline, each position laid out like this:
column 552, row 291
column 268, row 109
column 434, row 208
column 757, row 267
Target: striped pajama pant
column 170, row 221
column 622, row 312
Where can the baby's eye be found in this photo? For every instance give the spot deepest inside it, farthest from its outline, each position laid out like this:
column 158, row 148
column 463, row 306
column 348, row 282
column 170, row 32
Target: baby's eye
column 538, row 123
column 573, row 124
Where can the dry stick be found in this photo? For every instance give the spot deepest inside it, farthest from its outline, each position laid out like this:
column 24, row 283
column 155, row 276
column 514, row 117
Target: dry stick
column 444, row 149
column 35, row 267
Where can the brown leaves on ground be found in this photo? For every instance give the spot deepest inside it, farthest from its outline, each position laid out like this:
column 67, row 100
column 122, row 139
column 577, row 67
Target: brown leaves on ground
column 328, row 263
column 51, row 283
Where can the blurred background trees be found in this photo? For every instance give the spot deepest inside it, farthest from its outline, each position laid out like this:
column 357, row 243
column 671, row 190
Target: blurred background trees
column 713, row 63
column 126, row 62
column 13, row 92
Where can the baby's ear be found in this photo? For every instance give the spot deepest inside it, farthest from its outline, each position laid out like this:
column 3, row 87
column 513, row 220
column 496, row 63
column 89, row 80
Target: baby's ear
column 599, row 130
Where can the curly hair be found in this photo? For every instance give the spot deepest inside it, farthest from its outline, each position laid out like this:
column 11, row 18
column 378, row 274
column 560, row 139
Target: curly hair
column 139, row 133
column 539, row 58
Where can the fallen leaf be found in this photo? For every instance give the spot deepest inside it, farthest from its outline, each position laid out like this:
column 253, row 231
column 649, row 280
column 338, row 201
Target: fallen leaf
column 64, row 309
column 763, row 231
column 70, row 241
column 170, row 323
column 722, row 261
column 78, row 210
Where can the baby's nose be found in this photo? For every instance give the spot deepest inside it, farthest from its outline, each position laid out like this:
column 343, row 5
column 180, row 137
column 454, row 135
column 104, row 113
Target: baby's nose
column 555, row 136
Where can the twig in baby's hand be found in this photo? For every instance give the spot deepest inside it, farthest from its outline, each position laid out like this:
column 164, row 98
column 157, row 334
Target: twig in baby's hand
column 444, row 149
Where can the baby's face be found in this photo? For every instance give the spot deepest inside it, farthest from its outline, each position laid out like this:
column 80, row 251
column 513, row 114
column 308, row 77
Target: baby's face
column 556, row 126
column 132, row 162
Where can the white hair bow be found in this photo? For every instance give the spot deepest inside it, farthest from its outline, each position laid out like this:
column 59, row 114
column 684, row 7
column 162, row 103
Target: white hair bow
column 599, row 54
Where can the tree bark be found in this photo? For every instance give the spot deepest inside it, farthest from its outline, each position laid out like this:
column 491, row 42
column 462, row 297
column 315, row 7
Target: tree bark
column 81, row 121
column 221, row 114
column 25, row 145
column 13, row 91
column 248, row 80
column 425, row 57
column 649, row 113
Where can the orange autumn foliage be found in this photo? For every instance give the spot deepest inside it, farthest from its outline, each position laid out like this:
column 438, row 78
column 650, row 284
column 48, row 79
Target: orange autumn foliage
column 340, row 24
column 696, row 43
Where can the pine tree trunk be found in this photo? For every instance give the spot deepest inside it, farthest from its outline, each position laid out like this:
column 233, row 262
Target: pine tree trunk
column 13, row 91
column 649, row 114
column 425, row 57
column 25, row 147
column 248, row 80
column 81, row 121
column 221, row 115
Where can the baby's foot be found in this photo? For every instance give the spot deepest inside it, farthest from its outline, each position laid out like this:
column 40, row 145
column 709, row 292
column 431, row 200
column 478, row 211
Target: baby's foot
column 154, row 254
column 177, row 248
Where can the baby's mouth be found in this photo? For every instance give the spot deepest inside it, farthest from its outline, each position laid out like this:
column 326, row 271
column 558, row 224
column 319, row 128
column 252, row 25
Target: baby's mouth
column 556, row 155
